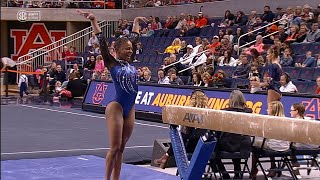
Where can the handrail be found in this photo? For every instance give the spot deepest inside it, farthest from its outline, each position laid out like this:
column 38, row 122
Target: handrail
column 44, row 47
column 238, row 51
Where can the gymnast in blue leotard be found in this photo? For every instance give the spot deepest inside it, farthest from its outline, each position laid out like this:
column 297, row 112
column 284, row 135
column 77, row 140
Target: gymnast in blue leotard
column 120, row 113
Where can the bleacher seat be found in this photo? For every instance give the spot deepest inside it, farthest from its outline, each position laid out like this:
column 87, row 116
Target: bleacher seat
column 185, row 79
column 302, row 86
column 294, row 72
column 306, row 73
column 312, row 86
column 300, row 48
column 316, row 73
column 299, row 58
column 315, row 48
column 227, row 69
column 241, row 83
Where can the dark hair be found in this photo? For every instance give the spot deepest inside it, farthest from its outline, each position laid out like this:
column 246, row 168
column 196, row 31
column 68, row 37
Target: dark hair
column 287, row 76
column 254, row 53
column 229, row 31
column 157, row 19
column 267, row 7
column 119, row 42
column 1, row 64
column 198, row 77
column 300, row 108
column 274, row 50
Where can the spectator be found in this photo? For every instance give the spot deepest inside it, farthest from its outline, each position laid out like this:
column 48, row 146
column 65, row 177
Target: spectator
column 229, row 32
column 252, row 18
column 302, row 33
column 218, row 79
column 93, row 40
column 162, row 79
column 57, row 90
column 139, row 48
column 239, row 32
column 286, row 60
column 317, row 91
column 174, row 22
column 227, row 60
column 228, row 19
column 258, row 45
column 256, row 57
column 215, row 43
column 71, row 55
column 140, row 75
column 168, row 22
column 190, row 20
column 57, row 75
column 242, row 71
column 207, row 79
column 99, row 66
column 52, row 68
column 183, row 49
column 287, row 17
column 221, row 34
column 225, row 45
column 201, row 21
column 199, row 59
column 278, row 15
column 307, row 15
column 268, row 15
column 182, row 21
column 74, row 87
column 309, row 62
column 254, row 70
column 314, row 34
column 230, row 142
column 23, row 85
column 186, row 58
column 174, row 48
column 294, row 32
column 147, row 76
column 75, row 68
column 157, row 21
column 318, row 61
column 148, row 32
column 286, row 84
column 275, row 108
column 174, row 79
column 196, row 79
column 241, row 19
column 65, row 52
column 95, row 49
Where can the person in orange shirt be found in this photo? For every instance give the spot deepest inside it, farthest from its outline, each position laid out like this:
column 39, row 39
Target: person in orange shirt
column 318, row 85
column 215, row 43
column 201, row 21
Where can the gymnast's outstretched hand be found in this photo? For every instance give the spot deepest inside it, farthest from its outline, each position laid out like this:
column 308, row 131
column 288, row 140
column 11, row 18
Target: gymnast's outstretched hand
column 87, row 15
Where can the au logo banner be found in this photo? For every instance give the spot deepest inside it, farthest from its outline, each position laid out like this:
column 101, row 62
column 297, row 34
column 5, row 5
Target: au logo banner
column 99, row 93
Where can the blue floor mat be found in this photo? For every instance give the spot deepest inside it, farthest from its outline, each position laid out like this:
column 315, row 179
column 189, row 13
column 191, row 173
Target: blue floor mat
column 72, row 168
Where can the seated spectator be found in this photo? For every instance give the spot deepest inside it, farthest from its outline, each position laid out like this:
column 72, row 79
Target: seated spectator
column 287, row 17
column 256, row 57
column 252, row 18
column 254, row 80
column 221, row 34
column 286, row 60
column 259, row 23
column 317, row 91
column 190, row 20
column 225, row 45
column 207, row 79
column 282, row 35
column 302, row 33
column 286, row 84
column 196, row 79
column 199, row 59
column 52, row 68
column 93, row 39
column 148, row 32
column 239, row 33
column 168, row 22
column 187, row 57
column 228, row 19
column 268, row 15
column 140, row 75
column 314, row 34
column 174, row 79
column 71, row 55
column 105, row 77
column 95, row 49
column 309, row 62
column 190, row 31
column 215, row 43
column 74, row 69
column 254, row 70
column 162, row 78
column 158, row 23
column 278, row 14
column 201, row 21
column 57, row 90
column 174, row 47
column 147, row 76
column 90, row 64
column 74, row 87
column 182, row 21
column 183, row 49
column 57, row 75
column 258, row 45
column 241, row 19
column 318, row 61
column 218, row 79
column 174, row 23
column 99, row 67
column 229, row 32
column 307, row 15
column 139, row 48
column 294, row 32
column 227, row 60
column 65, row 52
column 242, row 71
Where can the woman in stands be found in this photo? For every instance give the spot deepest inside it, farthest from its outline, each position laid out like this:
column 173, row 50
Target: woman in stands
column 275, row 108
column 120, row 113
column 200, row 100
column 231, row 142
column 272, row 75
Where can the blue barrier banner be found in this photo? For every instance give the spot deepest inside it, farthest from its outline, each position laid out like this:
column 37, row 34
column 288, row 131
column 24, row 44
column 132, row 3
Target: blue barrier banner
column 152, row 98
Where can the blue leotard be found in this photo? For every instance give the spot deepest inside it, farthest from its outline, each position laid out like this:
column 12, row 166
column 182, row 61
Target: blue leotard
column 274, row 71
column 124, row 76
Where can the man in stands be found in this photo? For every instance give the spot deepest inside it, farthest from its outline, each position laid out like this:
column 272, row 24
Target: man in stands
column 174, row 79
column 309, row 62
column 258, row 45
column 74, row 69
column 147, row 76
column 268, row 15
column 225, row 45
column 201, row 21
column 174, row 22
column 93, row 40
column 214, row 45
column 187, row 55
column 314, row 34
column 182, row 21
column 162, row 79
column 242, row 71
column 286, row 84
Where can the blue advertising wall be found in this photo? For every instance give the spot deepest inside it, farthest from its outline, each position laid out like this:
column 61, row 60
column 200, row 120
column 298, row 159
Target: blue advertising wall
column 152, row 98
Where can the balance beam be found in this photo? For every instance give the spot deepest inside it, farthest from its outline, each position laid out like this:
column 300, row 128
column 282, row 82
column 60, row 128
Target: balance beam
column 272, row 127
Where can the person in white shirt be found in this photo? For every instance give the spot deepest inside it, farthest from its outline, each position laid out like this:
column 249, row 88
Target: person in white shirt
column 23, row 85
column 187, row 58
column 93, row 40
column 227, row 60
column 5, row 61
column 286, row 84
column 162, row 78
column 182, row 22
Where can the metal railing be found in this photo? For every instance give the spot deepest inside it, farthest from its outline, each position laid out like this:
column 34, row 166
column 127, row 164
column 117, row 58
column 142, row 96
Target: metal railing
column 44, row 56
column 267, row 25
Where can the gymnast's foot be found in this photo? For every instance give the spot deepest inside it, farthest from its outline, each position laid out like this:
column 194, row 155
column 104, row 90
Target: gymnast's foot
column 162, row 162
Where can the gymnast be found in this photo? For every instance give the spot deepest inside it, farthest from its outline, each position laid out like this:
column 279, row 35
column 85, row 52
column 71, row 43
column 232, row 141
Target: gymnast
column 120, row 113
column 272, row 75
